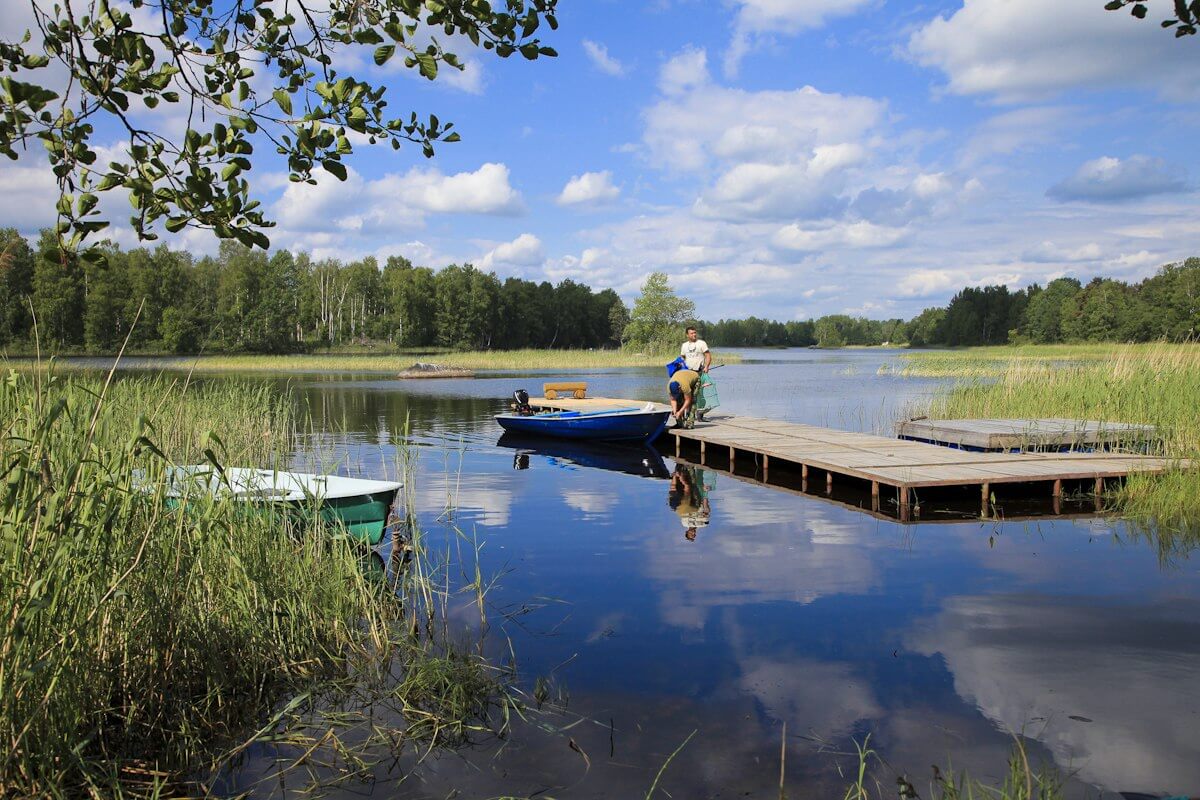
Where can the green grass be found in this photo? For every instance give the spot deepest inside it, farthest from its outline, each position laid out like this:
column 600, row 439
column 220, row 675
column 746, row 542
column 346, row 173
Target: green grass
column 1151, row 384
column 971, row 362
column 1020, row 781
column 542, row 360
column 142, row 646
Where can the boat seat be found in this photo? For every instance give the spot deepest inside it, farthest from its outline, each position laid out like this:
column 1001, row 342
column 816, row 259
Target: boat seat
column 576, row 389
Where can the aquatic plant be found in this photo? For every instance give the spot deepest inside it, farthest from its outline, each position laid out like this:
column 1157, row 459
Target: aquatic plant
column 528, row 360
column 143, row 645
column 1020, row 781
column 1149, row 384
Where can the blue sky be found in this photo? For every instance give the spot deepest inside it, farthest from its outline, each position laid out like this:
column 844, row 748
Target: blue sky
column 784, row 158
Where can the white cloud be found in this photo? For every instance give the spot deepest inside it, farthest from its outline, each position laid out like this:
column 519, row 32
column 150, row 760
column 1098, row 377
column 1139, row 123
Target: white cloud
column 848, row 235
column 1111, row 180
column 588, row 188
column 1053, row 253
column 762, row 19
column 1019, row 49
column 524, row 251
column 27, row 197
column 394, row 200
column 598, row 55
column 1013, row 131
column 684, row 72
column 698, row 123
column 925, row 283
column 773, row 192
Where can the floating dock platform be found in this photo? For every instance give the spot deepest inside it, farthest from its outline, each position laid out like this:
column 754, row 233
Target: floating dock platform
column 893, row 477
column 1027, row 435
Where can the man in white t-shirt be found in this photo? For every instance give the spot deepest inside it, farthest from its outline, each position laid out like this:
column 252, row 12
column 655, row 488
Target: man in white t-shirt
column 695, row 351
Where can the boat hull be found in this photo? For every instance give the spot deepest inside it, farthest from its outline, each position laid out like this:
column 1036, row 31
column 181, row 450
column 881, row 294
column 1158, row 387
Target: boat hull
column 613, row 427
column 360, row 508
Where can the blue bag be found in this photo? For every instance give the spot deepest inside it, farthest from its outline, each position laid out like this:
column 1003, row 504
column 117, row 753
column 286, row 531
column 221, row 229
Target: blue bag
column 675, row 366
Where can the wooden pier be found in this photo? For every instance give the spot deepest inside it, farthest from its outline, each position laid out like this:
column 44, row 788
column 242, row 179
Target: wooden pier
column 900, row 476
column 904, row 469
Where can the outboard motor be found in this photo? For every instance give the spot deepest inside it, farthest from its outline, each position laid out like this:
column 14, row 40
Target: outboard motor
column 522, row 406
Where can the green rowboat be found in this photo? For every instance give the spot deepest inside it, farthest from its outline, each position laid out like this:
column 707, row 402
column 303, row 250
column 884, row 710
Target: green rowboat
column 358, row 505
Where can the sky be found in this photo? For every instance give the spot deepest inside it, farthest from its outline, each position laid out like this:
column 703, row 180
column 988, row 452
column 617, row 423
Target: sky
column 781, row 158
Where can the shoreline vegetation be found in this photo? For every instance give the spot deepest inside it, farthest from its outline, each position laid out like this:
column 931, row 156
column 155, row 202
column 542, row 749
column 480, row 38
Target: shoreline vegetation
column 1152, row 384
column 393, row 363
column 145, row 645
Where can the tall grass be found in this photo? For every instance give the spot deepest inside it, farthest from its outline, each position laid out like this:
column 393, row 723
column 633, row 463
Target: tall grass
column 1149, row 384
column 139, row 644
column 533, row 360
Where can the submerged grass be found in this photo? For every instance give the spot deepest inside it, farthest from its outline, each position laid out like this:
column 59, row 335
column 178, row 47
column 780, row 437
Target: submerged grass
column 143, row 648
column 1020, row 781
column 539, row 360
column 1149, row 384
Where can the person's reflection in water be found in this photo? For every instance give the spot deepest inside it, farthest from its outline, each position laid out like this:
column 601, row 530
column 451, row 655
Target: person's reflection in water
column 688, row 496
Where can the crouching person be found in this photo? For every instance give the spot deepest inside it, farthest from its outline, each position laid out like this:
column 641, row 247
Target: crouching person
column 682, row 387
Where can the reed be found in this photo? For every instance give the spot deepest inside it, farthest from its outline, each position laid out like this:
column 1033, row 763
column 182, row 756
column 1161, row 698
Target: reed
column 523, row 360
column 142, row 645
column 1149, row 384
column 1020, row 781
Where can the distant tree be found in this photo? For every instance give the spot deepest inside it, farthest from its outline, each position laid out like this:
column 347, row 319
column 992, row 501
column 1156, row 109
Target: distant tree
column 616, row 317
column 978, row 316
column 658, row 315
column 16, row 285
column 105, row 322
column 801, row 333
column 925, row 329
column 1045, row 311
column 831, row 330
column 58, row 294
column 1174, row 294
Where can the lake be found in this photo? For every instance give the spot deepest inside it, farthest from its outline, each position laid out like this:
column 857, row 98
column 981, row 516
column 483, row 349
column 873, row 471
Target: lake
column 663, row 601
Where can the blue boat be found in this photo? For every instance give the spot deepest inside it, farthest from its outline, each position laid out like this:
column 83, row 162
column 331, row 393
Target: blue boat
column 621, row 424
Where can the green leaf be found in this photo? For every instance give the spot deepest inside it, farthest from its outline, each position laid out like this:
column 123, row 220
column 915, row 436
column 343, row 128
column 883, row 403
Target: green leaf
column 335, row 168
column 383, row 53
column 283, row 100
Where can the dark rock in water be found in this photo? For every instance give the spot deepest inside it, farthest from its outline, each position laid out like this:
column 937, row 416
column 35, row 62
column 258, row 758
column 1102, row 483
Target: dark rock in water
column 423, row 369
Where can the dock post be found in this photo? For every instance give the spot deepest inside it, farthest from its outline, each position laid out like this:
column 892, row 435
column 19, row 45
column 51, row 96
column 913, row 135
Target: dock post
column 902, row 493
column 985, row 495
column 1099, row 494
column 804, row 472
column 677, row 444
column 874, row 495
column 1057, row 495
column 828, row 482
column 732, row 453
column 702, row 449
column 766, row 466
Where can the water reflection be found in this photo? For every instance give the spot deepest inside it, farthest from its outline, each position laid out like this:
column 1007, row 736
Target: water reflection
column 1109, row 687
column 688, row 497
column 640, row 460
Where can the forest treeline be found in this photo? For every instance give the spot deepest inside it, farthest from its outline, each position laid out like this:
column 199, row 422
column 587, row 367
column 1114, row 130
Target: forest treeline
column 1164, row 306
column 245, row 300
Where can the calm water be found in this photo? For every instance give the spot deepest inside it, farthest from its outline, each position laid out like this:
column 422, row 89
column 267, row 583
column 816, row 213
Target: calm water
column 938, row 640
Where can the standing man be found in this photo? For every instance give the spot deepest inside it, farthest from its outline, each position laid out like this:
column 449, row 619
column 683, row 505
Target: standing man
column 695, row 351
